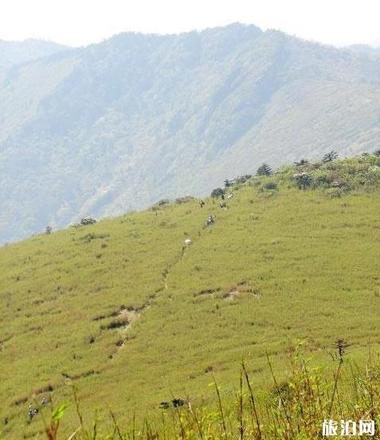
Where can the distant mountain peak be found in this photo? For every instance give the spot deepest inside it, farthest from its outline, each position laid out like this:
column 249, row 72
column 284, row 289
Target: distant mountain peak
column 156, row 116
column 19, row 52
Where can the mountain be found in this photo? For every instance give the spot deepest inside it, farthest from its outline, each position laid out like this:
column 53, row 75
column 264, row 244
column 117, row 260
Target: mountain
column 119, row 125
column 365, row 49
column 15, row 52
column 131, row 316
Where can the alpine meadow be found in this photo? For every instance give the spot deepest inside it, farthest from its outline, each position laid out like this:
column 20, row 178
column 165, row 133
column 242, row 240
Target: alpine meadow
column 279, row 271
column 189, row 233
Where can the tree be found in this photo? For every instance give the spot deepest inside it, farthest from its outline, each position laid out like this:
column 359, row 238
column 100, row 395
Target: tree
column 303, row 180
column 243, row 179
column 264, row 170
column 87, row 221
column 217, row 192
column 163, row 202
column 301, row 162
column 330, row 156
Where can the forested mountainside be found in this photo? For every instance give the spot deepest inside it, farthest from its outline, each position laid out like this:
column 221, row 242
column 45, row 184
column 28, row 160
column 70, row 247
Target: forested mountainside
column 18, row 52
column 118, row 125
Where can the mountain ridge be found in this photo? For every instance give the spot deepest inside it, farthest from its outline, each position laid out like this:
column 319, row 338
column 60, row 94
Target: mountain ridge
column 18, row 52
column 118, row 125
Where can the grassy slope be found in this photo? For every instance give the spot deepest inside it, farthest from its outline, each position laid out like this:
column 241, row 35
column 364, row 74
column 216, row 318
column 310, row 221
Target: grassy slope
column 307, row 265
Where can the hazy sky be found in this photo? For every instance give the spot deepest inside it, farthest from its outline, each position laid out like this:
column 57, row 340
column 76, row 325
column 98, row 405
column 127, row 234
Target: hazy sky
column 80, row 22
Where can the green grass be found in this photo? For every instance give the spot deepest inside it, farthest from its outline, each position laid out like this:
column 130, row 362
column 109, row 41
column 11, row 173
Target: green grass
column 278, row 266
column 294, row 409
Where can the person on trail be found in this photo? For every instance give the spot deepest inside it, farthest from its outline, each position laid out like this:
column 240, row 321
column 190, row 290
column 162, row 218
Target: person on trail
column 201, row 203
column 178, row 402
column 210, row 220
column 32, row 412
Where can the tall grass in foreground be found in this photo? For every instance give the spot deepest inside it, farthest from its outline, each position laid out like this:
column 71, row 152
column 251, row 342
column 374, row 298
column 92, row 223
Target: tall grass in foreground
column 293, row 410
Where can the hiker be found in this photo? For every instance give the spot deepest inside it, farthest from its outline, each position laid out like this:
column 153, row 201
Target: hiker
column 32, row 412
column 201, row 203
column 210, row 220
column 178, row 402
column 175, row 402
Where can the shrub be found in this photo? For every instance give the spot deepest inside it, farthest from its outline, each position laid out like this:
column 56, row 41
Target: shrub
column 264, row 170
column 301, row 163
column 92, row 236
column 270, row 186
column 330, row 156
column 335, row 192
column 243, row 179
column 181, row 200
column 217, row 192
column 87, row 221
column 321, row 179
column 163, row 202
column 303, row 180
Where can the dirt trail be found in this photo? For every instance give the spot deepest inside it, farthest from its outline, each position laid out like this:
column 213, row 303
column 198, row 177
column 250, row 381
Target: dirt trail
column 125, row 317
column 181, row 255
column 129, row 315
column 168, row 270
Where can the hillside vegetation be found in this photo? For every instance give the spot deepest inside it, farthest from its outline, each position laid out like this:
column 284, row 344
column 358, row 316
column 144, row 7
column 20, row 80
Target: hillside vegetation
column 121, row 124
column 132, row 316
column 13, row 53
